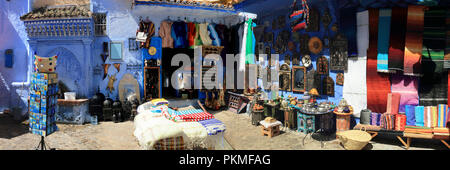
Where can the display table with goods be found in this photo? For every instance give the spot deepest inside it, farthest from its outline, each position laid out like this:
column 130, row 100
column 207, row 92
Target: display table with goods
column 73, row 111
column 158, row 127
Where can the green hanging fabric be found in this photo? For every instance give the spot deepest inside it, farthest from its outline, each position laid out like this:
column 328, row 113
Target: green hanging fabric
column 250, row 44
column 197, row 40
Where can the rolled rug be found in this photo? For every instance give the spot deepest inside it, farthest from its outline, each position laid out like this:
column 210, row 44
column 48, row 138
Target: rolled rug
column 393, row 103
column 400, row 122
column 427, row 116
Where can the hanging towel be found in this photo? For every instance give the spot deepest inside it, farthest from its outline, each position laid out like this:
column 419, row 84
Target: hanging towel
column 410, row 115
column 419, row 115
column 407, row 87
column 397, row 39
column 384, row 28
column 442, row 116
column 348, row 27
column 413, row 40
column 378, row 85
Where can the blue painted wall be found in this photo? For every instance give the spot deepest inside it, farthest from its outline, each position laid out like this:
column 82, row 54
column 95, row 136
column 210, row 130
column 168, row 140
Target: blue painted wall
column 13, row 36
column 269, row 10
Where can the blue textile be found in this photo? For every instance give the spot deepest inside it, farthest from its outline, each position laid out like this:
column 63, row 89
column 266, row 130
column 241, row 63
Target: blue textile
column 410, row 115
column 419, row 113
column 213, row 126
column 384, row 30
column 213, row 34
column 348, row 28
column 179, row 35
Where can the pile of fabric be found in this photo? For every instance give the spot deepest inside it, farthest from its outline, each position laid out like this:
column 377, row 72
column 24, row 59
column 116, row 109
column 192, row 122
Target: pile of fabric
column 418, row 132
column 161, row 128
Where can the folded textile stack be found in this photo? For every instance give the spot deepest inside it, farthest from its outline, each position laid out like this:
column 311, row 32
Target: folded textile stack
column 418, row 132
column 367, row 127
column 400, row 122
column 441, row 131
column 442, row 115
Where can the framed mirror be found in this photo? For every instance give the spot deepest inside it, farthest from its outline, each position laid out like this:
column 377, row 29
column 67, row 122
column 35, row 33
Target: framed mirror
column 298, row 79
column 338, row 53
column 285, row 77
column 116, row 51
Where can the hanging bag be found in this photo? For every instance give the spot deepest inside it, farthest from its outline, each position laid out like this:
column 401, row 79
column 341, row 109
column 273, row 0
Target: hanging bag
column 299, row 17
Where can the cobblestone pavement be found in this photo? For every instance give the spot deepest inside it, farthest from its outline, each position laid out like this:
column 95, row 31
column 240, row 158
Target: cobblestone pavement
column 240, row 134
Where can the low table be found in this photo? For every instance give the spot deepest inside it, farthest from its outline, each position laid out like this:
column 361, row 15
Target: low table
column 73, row 111
column 314, row 123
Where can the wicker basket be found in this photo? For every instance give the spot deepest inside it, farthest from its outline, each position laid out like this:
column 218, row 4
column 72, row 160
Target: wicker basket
column 354, row 139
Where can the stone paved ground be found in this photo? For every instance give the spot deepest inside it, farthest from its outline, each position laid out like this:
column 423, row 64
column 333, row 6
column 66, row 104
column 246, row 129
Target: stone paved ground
column 240, row 134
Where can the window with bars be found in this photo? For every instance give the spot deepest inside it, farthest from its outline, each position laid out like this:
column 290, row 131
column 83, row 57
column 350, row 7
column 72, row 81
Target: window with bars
column 100, row 24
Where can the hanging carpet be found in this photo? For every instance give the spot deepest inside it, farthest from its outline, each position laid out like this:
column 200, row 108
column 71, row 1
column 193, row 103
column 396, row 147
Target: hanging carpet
column 407, row 87
column 384, row 28
column 414, row 41
column 397, row 39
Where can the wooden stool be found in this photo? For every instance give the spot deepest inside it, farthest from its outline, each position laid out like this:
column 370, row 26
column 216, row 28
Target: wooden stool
column 271, row 131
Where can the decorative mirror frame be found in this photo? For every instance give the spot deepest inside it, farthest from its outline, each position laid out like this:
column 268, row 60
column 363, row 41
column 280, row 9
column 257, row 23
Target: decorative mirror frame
column 339, row 53
column 294, row 70
column 285, row 73
column 322, row 65
column 314, row 20
column 328, row 86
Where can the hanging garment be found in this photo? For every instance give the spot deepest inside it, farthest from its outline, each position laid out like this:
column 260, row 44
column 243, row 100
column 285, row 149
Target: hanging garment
column 192, row 32
column 413, row 40
column 348, row 27
column 434, row 83
column 397, row 39
column 408, row 88
column 384, row 29
column 235, row 43
column 179, row 34
column 197, row 39
column 213, row 35
column 149, row 29
column 378, row 85
column 355, row 89
column 419, row 115
column 410, row 115
column 243, row 29
column 225, row 37
column 165, row 34
column 204, row 34
column 299, row 17
column 250, row 43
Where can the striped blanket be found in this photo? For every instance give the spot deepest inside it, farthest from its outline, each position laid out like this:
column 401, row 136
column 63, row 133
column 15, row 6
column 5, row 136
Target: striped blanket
column 193, row 115
column 213, row 126
column 384, row 27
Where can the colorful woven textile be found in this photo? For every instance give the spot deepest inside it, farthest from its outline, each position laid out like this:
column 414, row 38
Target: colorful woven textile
column 442, row 115
column 393, row 103
column 213, row 126
column 427, row 119
column 410, row 115
column 400, row 122
column 378, row 85
column 384, row 28
column 387, row 121
column 407, row 87
column 194, row 115
column 175, row 143
column 419, row 115
column 434, row 116
column 418, row 130
column 375, row 119
column 413, row 41
column 397, row 38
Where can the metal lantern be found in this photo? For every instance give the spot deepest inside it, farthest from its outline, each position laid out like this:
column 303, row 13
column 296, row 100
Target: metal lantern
column 134, row 107
column 107, row 109
column 117, row 111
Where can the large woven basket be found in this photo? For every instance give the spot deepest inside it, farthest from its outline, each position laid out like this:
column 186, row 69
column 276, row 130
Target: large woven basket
column 354, row 139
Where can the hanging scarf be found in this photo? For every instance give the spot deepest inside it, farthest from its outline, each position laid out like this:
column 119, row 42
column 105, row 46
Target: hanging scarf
column 204, row 35
column 192, row 32
column 378, row 85
column 397, row 39
column 414, row 40
column 384, row 28
column 250, row 44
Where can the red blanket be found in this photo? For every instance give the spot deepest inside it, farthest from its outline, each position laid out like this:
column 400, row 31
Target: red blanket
column 378, row 85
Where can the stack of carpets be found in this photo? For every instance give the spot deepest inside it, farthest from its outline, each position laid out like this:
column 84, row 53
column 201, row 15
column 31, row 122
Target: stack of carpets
column 418, row 132
column 441, row 133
